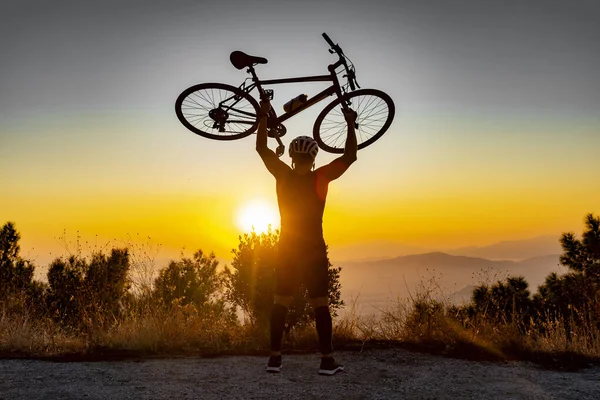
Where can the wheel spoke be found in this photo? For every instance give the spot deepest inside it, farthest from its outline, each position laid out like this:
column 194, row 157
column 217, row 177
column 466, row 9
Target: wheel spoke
column 330, row 128
column 374, row 114
column 337, row 133
column 204, row 96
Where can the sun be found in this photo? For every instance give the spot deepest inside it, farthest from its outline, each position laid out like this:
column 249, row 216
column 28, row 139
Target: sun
column 257, row 215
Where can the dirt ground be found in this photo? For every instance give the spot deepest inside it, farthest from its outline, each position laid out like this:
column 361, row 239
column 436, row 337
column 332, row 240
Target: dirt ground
column 372, row 374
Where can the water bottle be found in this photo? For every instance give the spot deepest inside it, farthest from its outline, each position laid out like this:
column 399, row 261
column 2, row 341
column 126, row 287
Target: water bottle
column 295, row 103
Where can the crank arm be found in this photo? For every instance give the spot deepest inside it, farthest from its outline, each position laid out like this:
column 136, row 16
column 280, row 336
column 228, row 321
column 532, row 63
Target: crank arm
column 280, row 147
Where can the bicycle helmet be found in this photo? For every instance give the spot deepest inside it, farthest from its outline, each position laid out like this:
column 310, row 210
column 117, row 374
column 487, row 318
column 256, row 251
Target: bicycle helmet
column 304, row 145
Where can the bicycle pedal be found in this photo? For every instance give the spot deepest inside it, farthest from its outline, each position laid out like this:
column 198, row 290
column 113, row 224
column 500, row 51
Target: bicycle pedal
column 280, row 150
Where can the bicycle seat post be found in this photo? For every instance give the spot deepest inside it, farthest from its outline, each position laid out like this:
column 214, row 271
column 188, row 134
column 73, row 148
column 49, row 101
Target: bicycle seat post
column 263, row 93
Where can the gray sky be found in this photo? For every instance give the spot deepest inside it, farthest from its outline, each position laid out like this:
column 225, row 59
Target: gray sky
column 533, row 55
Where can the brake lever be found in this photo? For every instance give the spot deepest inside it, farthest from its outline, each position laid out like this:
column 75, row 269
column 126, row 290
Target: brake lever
column 355, row 81
column 352, row 77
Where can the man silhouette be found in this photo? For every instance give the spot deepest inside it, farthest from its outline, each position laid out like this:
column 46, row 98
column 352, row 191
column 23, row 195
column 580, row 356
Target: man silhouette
column 302, row 255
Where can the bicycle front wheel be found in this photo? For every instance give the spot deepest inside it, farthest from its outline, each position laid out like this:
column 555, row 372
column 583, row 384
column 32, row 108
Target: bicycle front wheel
column 375, row 110
column 217, row 111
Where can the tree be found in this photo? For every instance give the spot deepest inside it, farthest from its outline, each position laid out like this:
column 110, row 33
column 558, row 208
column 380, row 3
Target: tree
column 193, row 281
column 86, row 293
column 106, row 284
column 250, row 282
column 574, row 298
column 16, row 273
column 504, row 301
column 583, row 255
column 561, row 296
column 65, row 291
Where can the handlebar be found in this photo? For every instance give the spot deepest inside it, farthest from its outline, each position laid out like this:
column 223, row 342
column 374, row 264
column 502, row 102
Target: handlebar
column 335, row 48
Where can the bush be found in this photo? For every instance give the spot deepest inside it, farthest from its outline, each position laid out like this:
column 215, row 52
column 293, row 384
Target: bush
column 193, row 281
column 503, row 302
column 88, row 294
column 250, row 282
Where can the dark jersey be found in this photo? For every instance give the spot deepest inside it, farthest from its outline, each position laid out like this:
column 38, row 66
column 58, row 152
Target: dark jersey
column 301, row 200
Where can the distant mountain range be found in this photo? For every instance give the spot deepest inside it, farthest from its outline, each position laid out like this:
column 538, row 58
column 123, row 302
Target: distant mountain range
column 373, row 250
column 513, row 250
column 379, row 282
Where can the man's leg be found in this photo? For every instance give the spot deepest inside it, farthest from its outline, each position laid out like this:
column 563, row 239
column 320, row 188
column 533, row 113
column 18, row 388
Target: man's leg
column 317, row 281
column 285, row 280
column 325, row 331
column 318, row 292
column 278, row 314
column 324, row 325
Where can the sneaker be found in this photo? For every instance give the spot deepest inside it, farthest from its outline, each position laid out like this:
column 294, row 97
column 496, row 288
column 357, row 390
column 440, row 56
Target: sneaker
column 274, row 364
column 329, row 367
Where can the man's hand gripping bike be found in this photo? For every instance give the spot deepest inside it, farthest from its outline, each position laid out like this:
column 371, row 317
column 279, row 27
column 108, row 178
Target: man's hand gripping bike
column 224, row 112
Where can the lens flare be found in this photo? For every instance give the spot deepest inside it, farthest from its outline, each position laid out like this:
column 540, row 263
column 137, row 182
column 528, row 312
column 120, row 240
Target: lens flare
column 257, row 215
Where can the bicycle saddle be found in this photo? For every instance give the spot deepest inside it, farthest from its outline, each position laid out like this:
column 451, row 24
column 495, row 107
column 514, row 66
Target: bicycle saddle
column 242, row 60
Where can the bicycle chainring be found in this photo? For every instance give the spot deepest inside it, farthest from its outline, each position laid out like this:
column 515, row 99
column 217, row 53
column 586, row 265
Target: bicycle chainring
column 278, row 131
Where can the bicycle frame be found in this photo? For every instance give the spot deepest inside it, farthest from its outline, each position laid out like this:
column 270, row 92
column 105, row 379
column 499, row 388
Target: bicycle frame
column 273, row 122
column 335, row 88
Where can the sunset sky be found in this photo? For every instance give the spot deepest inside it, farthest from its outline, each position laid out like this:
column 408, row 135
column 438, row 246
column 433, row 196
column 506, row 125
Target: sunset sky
column 496, row 136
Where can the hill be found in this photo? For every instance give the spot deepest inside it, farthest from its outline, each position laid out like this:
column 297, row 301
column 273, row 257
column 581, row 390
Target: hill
column 513, row 249
column 378, row 283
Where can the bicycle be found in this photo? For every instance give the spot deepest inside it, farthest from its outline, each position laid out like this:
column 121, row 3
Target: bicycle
column 224, row 112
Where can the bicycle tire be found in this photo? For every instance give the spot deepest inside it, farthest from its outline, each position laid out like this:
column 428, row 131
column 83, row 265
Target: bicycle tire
column 196, row 117
column 363, row 101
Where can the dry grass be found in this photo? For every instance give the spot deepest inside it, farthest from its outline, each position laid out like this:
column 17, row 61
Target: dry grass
column 421, row 324
column 424, row 323
column 177, row 330
column 22, row 335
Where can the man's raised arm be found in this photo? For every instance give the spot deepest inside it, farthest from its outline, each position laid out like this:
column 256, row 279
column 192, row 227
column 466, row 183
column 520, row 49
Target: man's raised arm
column 272, row 162
column 337, row 167
column 351, row 146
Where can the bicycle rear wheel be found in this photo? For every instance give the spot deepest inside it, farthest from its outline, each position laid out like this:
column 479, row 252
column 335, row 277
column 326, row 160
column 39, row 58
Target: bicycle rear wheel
column 375, row 110
column 217, row 111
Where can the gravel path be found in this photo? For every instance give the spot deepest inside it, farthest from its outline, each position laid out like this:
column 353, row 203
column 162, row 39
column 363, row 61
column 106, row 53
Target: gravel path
column 373, row 374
